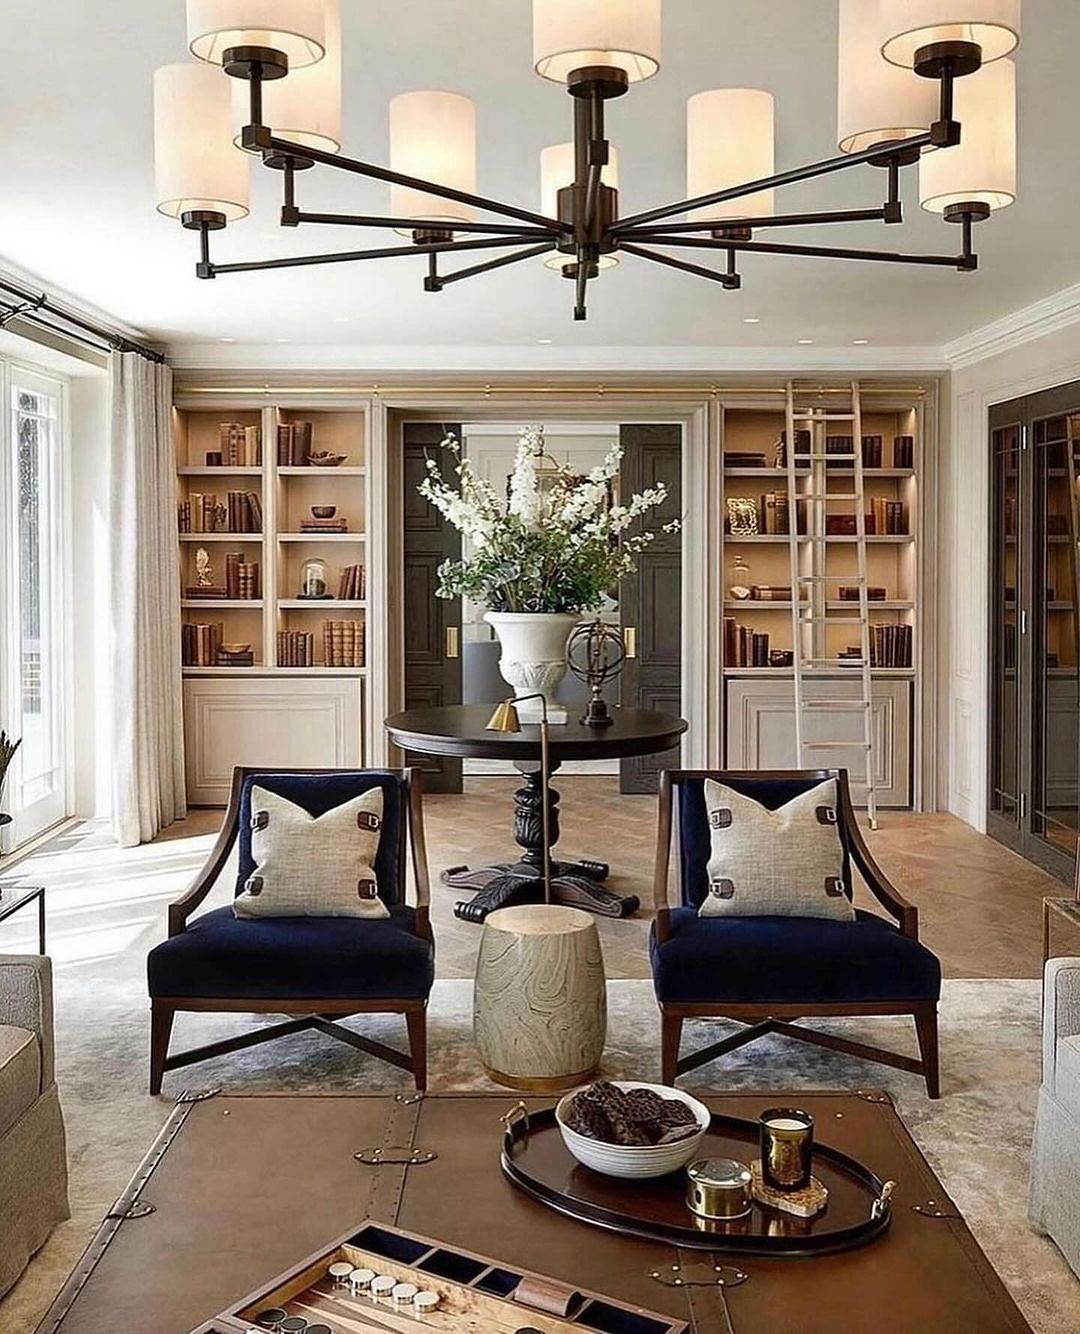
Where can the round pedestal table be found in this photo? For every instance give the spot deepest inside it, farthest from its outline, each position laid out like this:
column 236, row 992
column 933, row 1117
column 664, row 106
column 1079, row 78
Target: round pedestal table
column 540, row 1000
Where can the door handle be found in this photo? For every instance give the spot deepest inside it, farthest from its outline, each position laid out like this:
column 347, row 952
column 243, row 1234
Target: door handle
column 453, row 641
column 630, row 640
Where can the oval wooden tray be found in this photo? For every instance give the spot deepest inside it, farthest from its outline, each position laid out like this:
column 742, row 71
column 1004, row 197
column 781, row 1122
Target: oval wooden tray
column 535, row 1159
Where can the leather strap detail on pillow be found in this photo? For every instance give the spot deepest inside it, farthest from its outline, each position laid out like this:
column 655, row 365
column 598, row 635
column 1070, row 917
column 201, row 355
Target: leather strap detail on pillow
column 254, row 885
column 834, row 887
column 260, row 819
column 826, row 814
column 722, row 889
column 720, row 819
column 368, row 820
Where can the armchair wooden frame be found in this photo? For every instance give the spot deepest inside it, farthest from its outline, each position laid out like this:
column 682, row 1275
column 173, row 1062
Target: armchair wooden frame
column 762, row 1017
column 310, row 1013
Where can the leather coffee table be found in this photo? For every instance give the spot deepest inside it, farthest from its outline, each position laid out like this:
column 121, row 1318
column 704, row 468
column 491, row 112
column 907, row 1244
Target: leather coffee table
column 244, row 1187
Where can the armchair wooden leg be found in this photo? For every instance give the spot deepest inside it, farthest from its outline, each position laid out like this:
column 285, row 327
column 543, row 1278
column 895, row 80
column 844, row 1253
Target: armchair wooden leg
column 670, row 1039
column 416, row 1021
column 926, row 1026
column 161, row 1022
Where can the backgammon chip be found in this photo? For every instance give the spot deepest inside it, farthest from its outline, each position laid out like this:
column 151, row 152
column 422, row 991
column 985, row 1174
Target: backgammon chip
column 382, row 1285
column 403, row 1293
column 271, row 1318
column 360, row 1279
column 340, row 1271
column 426, row 1301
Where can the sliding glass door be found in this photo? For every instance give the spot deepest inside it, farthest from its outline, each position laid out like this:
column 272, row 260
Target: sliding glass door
column 32, row 616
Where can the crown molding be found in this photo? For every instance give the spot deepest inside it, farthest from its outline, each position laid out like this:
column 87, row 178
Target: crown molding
column 1051, row 313
column 363, row 359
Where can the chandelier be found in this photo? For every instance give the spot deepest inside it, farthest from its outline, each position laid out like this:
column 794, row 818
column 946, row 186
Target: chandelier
column 911, row 74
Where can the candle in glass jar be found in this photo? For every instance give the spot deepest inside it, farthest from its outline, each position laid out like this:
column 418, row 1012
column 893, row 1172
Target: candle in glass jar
column 787, row 1138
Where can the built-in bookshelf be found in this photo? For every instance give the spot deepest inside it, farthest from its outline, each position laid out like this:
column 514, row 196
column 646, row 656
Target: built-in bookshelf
column 761, row 561
column 272, row 545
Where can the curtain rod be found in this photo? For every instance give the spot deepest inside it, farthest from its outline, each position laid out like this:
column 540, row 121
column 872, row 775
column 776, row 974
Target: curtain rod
column 34, row 307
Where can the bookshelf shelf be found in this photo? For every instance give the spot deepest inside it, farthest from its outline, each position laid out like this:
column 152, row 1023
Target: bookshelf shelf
column 326, row 605
column 832, row 674
column 880, row 604
column 780, row 476
column 219, row 604
column 890, row 538
column 222, row 537
column 236, row 714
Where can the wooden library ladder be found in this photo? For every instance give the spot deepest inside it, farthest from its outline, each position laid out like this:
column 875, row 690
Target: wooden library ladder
column 810, row 588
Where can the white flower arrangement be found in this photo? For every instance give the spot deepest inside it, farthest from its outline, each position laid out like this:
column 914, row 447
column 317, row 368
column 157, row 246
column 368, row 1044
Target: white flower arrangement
column 557, row 544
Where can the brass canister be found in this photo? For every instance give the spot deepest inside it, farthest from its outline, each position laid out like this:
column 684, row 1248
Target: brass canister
column 718, row 1188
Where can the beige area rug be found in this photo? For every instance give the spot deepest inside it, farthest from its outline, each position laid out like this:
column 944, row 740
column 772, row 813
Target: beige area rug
column 977, row 1136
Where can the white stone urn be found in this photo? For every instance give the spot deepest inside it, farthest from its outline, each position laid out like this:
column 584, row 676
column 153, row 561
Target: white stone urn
column 534, row 654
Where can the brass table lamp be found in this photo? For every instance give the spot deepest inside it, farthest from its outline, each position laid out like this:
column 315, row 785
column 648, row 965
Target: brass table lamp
column 506, row 719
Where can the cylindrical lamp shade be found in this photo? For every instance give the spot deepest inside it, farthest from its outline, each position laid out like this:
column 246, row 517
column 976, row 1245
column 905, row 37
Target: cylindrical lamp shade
column 295, row 27
column 573, row 34
column 911, row 24
column 877, row 103
column 433, row 135
column 556, row 172
column 981, row 168
column 196, row 166
column 306, row 105
column 729, row 141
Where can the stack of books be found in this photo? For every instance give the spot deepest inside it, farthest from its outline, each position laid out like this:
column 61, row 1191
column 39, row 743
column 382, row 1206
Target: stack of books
column 890, row 646
column 743, row 646
column 903, row 451
column 243, row 578
column 352, row 583
column 235, row 655
column 335, row 525
column 202, row 512
column 295, row 648
column 872, row 451
column 886, row 517
column 343, row 643
column 844, row 445
column 850, row 593
column 743, row 458
column 240, row 446
column 294, row 444
column 199, row 644
column 770, row 593
column 773, row 512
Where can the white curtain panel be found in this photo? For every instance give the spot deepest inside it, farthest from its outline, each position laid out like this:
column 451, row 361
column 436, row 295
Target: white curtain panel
column 148, row 760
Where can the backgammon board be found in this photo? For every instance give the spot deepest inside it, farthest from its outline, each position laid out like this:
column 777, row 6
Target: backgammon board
column 387, row 1281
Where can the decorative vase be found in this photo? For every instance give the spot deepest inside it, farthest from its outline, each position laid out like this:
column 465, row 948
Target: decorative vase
column 534, row 655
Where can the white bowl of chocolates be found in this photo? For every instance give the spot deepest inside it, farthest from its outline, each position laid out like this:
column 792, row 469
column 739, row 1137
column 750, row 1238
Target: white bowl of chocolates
column 625, row 1128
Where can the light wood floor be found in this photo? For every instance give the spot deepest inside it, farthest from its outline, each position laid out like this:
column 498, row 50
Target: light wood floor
column 980, row 906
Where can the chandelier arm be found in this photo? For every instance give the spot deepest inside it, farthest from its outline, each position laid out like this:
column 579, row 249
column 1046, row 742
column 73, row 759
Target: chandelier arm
column 581, row 282
column 616, row 232
column 422, row 224
column 826, row 167
column 347, row 256
column 729, row 280
column 435, row 282
column 359, row 168
column 965, row 262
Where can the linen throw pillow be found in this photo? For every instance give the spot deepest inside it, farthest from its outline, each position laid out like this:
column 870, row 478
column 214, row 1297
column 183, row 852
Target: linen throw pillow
column 783, row 863
column 313, row 867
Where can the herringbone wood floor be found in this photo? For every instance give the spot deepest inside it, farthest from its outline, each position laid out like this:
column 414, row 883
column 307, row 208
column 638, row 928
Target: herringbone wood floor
column 980, row 905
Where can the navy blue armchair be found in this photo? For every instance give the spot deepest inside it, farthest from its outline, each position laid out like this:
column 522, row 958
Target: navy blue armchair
column 318, row 969
column 768, row 972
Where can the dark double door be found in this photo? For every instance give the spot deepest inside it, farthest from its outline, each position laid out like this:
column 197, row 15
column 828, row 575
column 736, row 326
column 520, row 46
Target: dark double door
column 1034, row 705
column 650, row 600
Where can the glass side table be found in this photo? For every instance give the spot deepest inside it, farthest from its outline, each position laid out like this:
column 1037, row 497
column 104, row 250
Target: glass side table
column 1065, row 910
column 13, row 897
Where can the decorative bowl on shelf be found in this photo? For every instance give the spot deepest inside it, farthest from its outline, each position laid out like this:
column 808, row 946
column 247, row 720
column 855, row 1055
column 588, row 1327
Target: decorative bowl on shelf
column 635, row 1162
column 324, row 459
column 323, row 511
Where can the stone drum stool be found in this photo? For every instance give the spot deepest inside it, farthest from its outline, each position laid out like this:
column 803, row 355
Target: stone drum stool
column 540, row 1002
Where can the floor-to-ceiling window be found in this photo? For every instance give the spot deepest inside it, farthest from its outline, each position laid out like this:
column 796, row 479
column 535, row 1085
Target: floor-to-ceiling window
column 32, row 601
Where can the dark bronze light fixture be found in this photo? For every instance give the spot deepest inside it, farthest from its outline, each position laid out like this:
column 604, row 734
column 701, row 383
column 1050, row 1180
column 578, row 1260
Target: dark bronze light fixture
column 893, row 52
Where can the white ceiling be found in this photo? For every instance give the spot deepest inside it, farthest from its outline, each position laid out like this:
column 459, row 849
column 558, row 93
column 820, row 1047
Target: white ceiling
column 77, row 206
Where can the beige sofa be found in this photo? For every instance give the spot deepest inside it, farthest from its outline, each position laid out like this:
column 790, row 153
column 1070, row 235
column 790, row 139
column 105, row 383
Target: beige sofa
column 1055, row 1153
column 33, row 1159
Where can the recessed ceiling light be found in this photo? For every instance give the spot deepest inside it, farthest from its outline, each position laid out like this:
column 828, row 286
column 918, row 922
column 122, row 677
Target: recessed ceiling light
column 226, row 340
column 806, row 341
column 281, row 340
column 751, row 319
column 545, row 341
column 860, row 342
